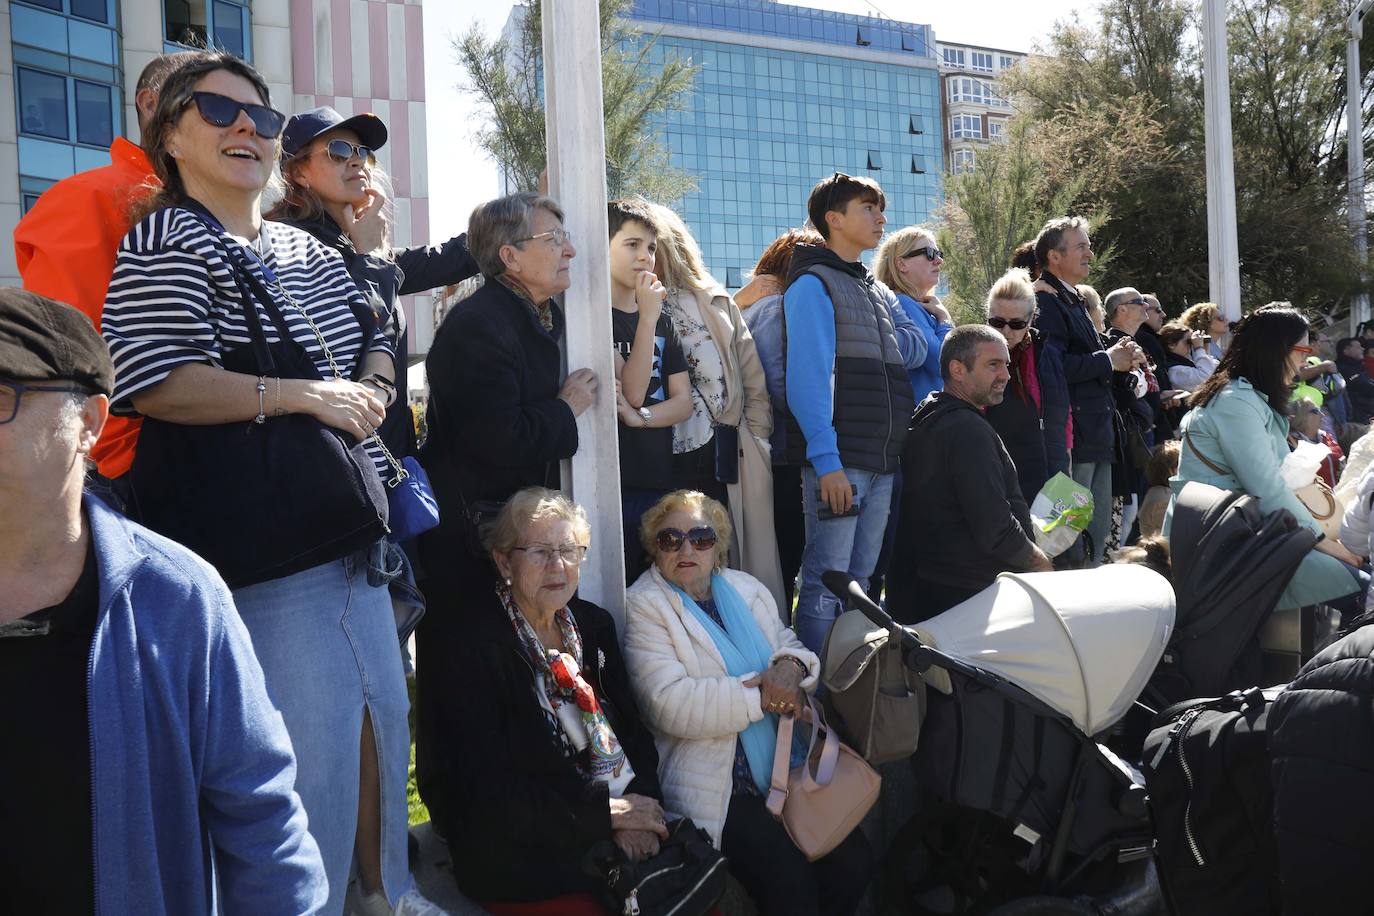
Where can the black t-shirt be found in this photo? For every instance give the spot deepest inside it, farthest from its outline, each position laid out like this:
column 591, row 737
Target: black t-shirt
column 46, row 863
column 646, row 455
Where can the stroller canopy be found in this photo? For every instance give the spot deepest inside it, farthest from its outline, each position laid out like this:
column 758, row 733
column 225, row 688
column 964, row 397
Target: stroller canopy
column 1083, row 641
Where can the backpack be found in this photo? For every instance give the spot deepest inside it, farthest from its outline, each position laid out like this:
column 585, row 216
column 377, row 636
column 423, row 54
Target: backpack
column 1206, row 765
column 875, row 703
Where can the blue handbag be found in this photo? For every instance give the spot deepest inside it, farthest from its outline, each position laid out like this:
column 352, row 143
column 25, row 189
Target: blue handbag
column 410, row 498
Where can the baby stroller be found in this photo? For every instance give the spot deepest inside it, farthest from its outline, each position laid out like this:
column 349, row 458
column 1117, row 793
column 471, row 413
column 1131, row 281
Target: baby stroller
column 1024, row 681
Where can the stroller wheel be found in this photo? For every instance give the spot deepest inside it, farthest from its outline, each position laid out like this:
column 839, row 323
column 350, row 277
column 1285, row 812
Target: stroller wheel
column 1044, row 906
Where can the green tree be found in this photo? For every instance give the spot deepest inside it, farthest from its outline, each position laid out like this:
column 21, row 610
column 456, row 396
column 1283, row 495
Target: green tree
column 506, row 77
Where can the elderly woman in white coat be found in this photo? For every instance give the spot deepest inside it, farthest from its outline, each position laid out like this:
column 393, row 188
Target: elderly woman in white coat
column 712, row 667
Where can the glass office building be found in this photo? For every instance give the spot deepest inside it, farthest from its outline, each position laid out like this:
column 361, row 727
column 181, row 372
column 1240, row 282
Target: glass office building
column 785, row 97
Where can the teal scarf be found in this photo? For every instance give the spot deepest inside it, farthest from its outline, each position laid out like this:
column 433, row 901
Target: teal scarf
column 744, row 648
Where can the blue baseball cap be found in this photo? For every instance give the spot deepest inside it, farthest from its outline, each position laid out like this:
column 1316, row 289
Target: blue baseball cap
column 306, row 126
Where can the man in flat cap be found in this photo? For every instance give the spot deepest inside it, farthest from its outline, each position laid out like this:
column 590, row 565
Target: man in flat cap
column 145, row 771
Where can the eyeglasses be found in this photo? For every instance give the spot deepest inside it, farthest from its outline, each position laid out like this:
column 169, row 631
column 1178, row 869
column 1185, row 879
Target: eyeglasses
column 341, row 151
column 1305, row 351
column 12, row 392
column 221, row 111
column 559, row 237
column 670, row 540
column 1137, row 301
column 569, row 554
column 930, row 251
column 1016, row 324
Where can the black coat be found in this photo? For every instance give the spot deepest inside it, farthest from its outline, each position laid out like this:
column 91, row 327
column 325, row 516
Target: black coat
column 1158, row 355
column 963, row 519
column 1360, row 388
column 1022, row 428
column 410, row 270
column 518, row 816
column 496, row 423
column 1076, row 371
column 1135, row 423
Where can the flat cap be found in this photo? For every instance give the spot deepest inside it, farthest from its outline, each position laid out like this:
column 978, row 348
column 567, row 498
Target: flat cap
column 45, row 340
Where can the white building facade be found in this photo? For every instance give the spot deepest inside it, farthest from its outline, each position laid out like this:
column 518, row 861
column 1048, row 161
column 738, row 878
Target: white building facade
column 975, row 112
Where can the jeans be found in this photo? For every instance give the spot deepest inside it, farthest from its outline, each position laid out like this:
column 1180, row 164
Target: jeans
column 326, row 639
column 851, row 544
column 1097, row 477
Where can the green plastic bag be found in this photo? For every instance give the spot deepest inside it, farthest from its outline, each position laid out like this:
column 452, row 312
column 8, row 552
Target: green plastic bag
column 1061, row 511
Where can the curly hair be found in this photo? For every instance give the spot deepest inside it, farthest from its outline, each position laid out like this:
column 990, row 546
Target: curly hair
column 690, row 501
column 534, row 504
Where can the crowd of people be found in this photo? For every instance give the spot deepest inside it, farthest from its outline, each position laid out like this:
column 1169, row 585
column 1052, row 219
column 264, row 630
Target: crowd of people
column 214, row 616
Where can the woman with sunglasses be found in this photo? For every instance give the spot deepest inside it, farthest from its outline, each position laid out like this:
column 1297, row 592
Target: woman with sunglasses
column 186, row 281
column 1024, row 419
column 1236, row 438
column 334, row 191
column 713, row 668
column 536, row 734
column 909, row 263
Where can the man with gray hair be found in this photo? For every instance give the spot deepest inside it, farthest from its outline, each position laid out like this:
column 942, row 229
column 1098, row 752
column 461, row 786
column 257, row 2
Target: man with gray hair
column 1126, row 311
column 963, row 519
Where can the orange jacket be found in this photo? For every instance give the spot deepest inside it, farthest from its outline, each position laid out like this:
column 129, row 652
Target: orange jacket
column 66, row 248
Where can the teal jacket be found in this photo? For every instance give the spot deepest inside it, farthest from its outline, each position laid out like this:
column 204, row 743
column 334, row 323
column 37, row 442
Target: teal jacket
column 1239, row 431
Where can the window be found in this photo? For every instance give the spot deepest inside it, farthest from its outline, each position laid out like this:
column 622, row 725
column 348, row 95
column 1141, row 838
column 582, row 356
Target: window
column 875, row 159
column 963, row 161
column 962, row 127
column 734, row 277
column 914, row 125
column 964, row 89
column 954, row 57
column 1008, row 62
column 982, row 60
column 995, row 126
column 94, row 119
column 42, row 104
column 908, row 41
column 918, row 167
column 861, row 39
column 194, row 23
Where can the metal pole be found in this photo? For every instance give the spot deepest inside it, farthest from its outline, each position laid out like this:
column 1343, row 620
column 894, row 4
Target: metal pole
column 577, row 180
column 1223, row 258
column 1354, row 128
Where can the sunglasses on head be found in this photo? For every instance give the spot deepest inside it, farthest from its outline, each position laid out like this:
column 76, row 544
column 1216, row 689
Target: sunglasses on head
column 1016, row 324
column 1305, row 351
column 341, row 151
column 930, row 251
column 670, row 540
column 222, row 111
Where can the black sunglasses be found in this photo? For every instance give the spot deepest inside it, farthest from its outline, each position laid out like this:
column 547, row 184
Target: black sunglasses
column 221, row 111
column 670, row 540
column 1016, row 324
column 341, row 151
column 930, row 251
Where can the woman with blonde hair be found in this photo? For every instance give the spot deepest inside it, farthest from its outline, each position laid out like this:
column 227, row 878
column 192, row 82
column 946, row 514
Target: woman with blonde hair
column 722, row 448
column 909, row 262
column 1207, row 319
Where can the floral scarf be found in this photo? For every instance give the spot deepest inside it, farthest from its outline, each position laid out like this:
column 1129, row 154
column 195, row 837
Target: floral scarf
column 544, row 311
column 576, row 711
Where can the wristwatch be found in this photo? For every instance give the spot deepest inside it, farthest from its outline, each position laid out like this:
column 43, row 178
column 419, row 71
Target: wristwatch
column 646, row 415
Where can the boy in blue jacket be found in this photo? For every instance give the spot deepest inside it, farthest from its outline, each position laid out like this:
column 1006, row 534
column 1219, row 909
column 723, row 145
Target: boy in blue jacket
column 849, row 346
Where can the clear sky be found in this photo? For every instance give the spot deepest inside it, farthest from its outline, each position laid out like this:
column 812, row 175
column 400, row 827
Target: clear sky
column 460, row 176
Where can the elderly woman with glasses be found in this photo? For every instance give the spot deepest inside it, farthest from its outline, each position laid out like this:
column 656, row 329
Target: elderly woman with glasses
column 193, row 282
column 537, row 741
column 714, row 667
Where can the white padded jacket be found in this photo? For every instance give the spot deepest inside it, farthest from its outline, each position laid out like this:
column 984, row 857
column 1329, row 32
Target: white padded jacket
column 692, row 705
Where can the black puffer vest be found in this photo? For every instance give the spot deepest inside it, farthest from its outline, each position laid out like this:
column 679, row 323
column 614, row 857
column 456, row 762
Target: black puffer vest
column 873, row 400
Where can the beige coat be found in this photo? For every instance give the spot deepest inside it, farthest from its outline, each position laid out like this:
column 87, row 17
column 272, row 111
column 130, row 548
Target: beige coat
column 755, row 547
column 694, row 707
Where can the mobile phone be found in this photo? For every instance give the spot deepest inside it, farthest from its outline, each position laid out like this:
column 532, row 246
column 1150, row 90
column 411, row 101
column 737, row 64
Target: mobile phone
column 1181, row 395
column 823, row 512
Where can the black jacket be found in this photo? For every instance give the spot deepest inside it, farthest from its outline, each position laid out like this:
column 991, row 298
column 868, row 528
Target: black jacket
column 1022, row 428
column 1077, row 371
column 410, row 270
column 496, row 423
column 1159, row 362
column 518, row 816
column 1359, row 386
column 1136, row 421
column 963, row 519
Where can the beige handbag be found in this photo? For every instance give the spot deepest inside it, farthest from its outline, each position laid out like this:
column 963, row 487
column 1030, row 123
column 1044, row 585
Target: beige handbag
column 1324, row 505
column 819, row 810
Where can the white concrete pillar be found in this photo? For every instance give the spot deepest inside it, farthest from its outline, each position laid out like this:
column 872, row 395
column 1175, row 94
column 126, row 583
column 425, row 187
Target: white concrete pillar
column 1354, row 126
column 577, row 180
column 1223, row 257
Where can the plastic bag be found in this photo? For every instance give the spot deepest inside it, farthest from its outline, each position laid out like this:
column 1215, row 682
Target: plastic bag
column 1061, row 511
column 1300, row 467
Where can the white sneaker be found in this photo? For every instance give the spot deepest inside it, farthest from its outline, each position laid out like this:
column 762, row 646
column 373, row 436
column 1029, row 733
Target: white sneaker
column 412, row 903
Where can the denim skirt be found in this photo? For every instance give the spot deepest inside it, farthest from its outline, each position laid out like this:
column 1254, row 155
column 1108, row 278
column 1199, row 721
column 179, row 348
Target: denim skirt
column 326, row 639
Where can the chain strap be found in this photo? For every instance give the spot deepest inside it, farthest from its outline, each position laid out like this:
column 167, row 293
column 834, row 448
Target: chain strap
column 399, row 472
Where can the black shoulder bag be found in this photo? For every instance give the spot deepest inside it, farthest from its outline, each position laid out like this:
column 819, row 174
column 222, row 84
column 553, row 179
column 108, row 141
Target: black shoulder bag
column 260, row 501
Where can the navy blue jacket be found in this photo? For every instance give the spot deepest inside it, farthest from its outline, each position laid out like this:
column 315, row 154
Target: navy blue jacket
column 1075, row 372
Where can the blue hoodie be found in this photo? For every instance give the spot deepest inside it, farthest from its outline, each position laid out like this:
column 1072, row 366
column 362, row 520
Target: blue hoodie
column 925, row 377
column 192, row 771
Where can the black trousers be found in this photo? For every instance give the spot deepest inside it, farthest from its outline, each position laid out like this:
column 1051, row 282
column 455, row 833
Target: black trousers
column 781, row 881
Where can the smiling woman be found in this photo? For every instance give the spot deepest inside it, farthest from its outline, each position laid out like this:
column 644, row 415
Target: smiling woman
column 256, row 347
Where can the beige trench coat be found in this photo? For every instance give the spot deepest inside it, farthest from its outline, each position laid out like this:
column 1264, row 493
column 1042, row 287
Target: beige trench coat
column 755, row 547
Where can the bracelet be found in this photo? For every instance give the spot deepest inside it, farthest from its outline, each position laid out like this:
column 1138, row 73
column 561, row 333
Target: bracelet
column 277, row 411
column 262, row 401
column 805, row 669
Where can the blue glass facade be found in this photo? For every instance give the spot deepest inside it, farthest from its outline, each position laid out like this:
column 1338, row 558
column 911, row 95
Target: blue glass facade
column 786, row 96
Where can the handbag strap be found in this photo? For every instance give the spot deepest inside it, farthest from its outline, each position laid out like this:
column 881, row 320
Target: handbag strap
column 1188, row 441
column 782, row 758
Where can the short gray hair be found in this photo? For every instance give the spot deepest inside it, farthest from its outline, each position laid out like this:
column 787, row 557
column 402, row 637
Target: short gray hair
column 502, row 222
column 1115, row 299
column 69, row 419
column 530, row 505
column 1051, row 236
column 962, row 345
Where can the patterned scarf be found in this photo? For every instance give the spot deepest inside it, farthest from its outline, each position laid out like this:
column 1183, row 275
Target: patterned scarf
column 544, row 311
column 572, row 699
